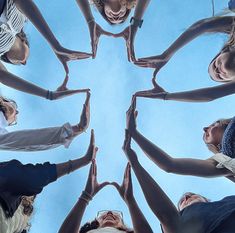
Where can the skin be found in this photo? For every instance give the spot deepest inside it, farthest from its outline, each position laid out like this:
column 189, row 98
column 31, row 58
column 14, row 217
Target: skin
column 221, row 69
column 11, row 113
column 110, row 219
column 183, row 166
column 188, row 199
column 19, row 52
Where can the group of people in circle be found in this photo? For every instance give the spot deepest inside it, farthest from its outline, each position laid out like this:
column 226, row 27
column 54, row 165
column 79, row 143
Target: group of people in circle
column 21, row 183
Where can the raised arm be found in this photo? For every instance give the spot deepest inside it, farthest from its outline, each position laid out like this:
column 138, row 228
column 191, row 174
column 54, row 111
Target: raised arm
column 15, row 82
column 157, row 200
column 95, row 29
column 72, row 222
column 215, row 24
column 184, row 166
column 198, row 95
column 125, row 190
column 31, row 11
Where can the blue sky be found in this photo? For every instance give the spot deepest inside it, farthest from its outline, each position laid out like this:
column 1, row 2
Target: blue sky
column 176, row 127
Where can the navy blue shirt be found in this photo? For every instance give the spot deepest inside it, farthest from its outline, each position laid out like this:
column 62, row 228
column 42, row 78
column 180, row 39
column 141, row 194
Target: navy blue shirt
column 17, row 180
column 207, row 217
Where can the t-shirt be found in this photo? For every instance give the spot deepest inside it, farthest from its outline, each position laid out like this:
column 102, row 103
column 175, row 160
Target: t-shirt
column 206, row 217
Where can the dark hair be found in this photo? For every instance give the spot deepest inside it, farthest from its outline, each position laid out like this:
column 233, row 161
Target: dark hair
column 95, row 225
column 99, row 4
column 24, row 38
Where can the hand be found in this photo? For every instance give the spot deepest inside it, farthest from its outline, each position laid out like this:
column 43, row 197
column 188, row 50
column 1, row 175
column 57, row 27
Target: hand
column 85, row 116
column 156, row 62
column 129, row 35
column 130, row 154
column 92, row 186
column 95, row 32
column 131, row 116
column 65, row 55
column 157, row 92
column 92, row 149
column 62, row 91
column 126, row 189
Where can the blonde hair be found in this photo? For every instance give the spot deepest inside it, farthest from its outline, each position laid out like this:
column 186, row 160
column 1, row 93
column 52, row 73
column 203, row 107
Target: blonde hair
column 223, row 123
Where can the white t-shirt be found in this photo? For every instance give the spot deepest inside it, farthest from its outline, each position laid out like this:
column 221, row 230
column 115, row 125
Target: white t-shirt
column 106, row 230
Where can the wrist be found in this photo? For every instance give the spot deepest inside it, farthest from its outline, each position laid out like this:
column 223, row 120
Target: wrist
column 85, row 197
column 135, row 22
column 49, row 95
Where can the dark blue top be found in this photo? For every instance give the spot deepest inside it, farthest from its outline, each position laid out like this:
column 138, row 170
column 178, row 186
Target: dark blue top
column 17, row 180
column 207, row 217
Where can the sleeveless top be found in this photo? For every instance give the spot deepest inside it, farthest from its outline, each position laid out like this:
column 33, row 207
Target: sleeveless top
column 11, row 23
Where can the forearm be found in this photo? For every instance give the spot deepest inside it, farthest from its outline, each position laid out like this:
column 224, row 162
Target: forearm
column 70, row 166
column 86, row 9
column 140, row 8
column 203, row 94
column 139, row 221
column 19, row 84
column 72, row 222
column 157, row 155
column 219, row 24
column 31, row 11
column 157, row 200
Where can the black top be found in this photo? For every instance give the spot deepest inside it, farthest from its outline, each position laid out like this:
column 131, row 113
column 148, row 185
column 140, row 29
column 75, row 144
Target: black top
column 17, row 180
column 208, row 217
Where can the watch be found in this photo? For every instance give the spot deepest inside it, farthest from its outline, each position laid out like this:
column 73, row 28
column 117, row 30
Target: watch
column 136, row 22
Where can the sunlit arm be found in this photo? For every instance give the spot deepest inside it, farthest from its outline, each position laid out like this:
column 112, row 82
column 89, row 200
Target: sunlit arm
column 216, row 24
column 140, row 8
column 184, row 166
column 157, row 200
column 86, row 9
column 203, row 94
column 140, row 224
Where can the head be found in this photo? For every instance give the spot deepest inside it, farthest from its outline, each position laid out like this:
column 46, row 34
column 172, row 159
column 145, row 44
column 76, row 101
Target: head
column 115, row 11
column 107, row 218
column 19, row 52
column 213, row 134
column 190, row 198
column 27, row 203
column 9, row 110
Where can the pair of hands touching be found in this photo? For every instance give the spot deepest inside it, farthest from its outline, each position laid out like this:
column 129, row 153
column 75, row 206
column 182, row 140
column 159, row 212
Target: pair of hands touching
column 93, row 187
column 128, row 34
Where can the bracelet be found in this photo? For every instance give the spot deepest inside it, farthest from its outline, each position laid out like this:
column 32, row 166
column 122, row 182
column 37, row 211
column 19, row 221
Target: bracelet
column 84, row 199
column 136, row 22
column 86, row 194
column 70, row 169
column 49, row 95
column 91, row 20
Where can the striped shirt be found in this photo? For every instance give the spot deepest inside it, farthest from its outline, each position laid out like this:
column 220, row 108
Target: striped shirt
column 11, row 25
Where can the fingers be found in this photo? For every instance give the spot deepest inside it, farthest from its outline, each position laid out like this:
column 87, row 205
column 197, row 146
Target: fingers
column 92, row 138
column 66, row 68
column 64, row 84
column 102, row 31
column 102, row 185
column 95, row 152
column 127, row 140
column 155, row 72
column 116, row 185
column 80, row 90
column 133, row 102
column 142, row 64
column 87, row 98
column 154, row 81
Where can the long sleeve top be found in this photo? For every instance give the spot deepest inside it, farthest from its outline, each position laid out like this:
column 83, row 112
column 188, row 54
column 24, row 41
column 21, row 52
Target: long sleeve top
column 34, row 139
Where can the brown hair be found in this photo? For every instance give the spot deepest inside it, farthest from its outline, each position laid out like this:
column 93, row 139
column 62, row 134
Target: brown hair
column 223, row 123
column 27, row 203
